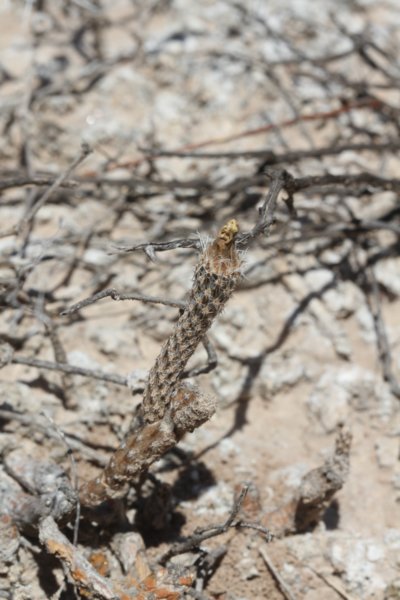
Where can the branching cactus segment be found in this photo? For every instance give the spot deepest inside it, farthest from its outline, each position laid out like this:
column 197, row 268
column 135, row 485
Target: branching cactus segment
column 171, row 408
column 214, row 280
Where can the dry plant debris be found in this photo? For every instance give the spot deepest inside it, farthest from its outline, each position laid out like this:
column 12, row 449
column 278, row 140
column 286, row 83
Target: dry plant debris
column 171, row 443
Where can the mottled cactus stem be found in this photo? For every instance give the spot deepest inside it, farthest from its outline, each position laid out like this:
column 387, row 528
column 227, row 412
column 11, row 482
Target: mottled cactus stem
column 143, row 447
column 170, row 409
column 214, row 280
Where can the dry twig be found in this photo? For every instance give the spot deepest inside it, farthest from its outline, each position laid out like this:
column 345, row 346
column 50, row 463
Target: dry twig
column 83, row 574
column 384, row 351
column 284, row 588
column 203, row 534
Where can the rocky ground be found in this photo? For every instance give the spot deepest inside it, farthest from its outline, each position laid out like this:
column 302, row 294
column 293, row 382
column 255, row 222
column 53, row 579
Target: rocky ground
column 189, row 112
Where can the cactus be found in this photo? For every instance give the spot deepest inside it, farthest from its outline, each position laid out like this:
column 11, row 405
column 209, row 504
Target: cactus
column 215, row 278
column 171, row 408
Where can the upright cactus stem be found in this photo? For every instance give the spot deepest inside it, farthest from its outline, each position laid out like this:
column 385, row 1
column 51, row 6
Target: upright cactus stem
column 215, row 278
column 170, row 408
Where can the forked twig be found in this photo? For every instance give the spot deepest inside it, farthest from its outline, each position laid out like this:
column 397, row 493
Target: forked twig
column 200, row 535
column 267, row 209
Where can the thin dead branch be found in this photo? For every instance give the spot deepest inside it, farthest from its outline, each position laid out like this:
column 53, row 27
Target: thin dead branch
column 116, row 295
column 82, row 573
column 85, row 151
column 385, row 354
column 284, row 588
column 203, row 534
column 271, row 158
column 38, row 181
column 70, row 369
